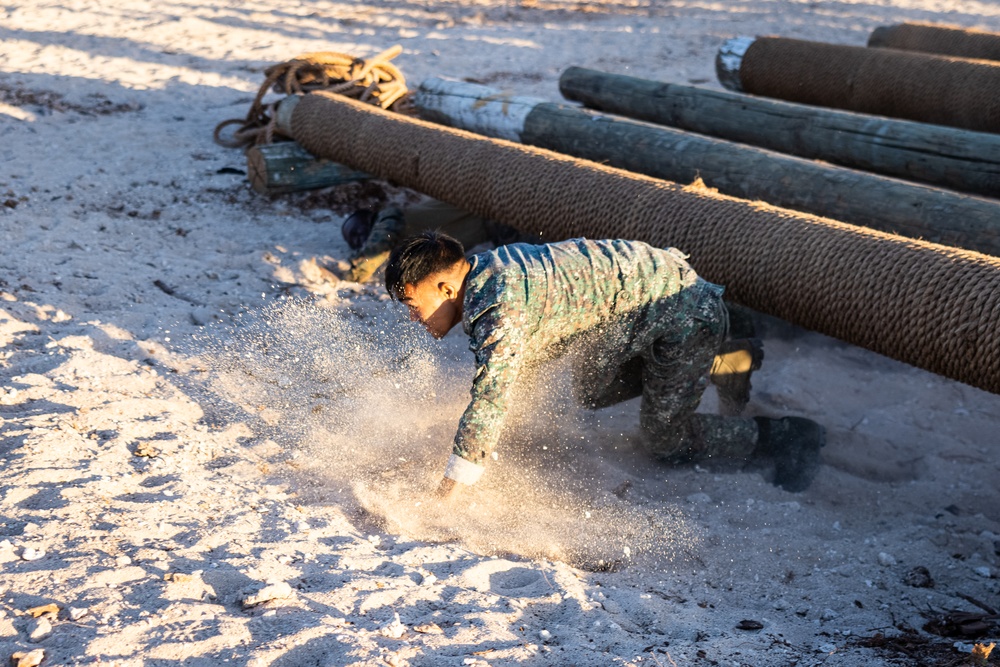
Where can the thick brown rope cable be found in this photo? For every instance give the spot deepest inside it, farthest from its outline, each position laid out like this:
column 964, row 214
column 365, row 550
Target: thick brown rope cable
column 374, row 80
column 945, row 40
column 924, row 304
column 901, row 84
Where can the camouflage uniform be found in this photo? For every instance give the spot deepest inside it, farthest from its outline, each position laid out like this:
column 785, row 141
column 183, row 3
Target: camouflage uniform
column 640, row 320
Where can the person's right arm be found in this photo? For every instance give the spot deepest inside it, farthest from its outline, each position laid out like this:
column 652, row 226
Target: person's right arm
column 497, row 340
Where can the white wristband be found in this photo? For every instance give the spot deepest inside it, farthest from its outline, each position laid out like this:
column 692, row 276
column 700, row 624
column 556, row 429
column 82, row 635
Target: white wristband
column 463, row 471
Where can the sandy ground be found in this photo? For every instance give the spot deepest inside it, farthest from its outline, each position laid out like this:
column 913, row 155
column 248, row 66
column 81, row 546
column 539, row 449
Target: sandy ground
column 190, row 413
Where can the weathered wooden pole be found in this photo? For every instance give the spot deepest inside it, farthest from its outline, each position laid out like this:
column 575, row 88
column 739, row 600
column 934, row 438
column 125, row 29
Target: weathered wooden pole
column 925, row 304
column 285, row 166
column 927, row 88
column 945, row 156
column 741, row 171
column 947, row 40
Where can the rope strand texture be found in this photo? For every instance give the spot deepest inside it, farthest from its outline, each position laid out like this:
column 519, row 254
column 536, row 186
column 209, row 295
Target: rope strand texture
column 375, row 81
column 901, row 84
column 944, row 40
column 927, row 305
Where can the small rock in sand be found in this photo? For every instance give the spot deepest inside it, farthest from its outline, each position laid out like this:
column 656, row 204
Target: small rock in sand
column 886, row 560
column 749, row 624
column 76, row 613
column 39, row 630
column 395, row 660
column 44, row 610
column 30, row 553
column 428, row 629
column 919, row 577
column 272, row 591
column 394, row 629
column 28, row 658
column 146, row 450
column 612, row 607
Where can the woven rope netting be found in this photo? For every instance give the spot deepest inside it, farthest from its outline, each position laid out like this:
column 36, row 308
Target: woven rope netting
column 374, row 81
column 931, row 306
column 941, row 39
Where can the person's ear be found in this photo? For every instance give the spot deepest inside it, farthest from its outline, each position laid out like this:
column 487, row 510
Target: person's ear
column 447, row 289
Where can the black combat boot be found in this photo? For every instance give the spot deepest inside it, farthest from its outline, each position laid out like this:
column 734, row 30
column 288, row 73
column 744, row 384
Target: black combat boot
column 357, row 226
column 387, row 229
column 793, row 443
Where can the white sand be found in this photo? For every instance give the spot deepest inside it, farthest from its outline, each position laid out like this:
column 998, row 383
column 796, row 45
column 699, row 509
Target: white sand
column 297, row 453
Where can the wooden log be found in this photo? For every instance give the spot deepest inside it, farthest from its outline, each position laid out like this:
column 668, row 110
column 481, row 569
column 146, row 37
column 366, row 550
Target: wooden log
column 878, row 202
column 946, row 40
column 958, row 92
column 945, row 156
column 275, row 169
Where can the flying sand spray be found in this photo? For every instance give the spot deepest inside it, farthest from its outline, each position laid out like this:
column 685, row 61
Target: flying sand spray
column 370, row 403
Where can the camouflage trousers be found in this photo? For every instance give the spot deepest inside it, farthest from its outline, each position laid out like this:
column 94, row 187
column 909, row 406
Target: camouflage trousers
column 671, row 375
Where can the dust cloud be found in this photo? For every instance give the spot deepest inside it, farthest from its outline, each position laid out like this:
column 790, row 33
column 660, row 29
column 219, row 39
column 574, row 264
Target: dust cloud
column 367, row 404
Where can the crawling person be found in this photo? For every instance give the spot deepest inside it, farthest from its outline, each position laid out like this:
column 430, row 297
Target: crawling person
column 640, row 319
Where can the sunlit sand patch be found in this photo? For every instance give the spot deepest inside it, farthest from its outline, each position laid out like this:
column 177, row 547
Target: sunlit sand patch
column 17, row 113
column 521, row 515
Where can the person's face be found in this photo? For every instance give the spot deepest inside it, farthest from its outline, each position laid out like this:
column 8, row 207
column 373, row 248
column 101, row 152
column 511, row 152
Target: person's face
column 434, row 303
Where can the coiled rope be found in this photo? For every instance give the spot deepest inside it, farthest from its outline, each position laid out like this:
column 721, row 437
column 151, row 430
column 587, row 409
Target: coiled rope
column 373, row 80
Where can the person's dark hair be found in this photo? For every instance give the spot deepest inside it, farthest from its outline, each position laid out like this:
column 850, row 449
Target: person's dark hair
column 420, row 256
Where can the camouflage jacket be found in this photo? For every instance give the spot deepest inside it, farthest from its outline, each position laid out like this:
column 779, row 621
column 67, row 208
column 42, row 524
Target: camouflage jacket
column 525, row 304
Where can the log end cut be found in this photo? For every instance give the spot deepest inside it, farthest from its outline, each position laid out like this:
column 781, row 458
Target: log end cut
column 729, row 60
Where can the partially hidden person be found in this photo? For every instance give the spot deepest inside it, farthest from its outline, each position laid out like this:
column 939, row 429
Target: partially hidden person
column 372, row 235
